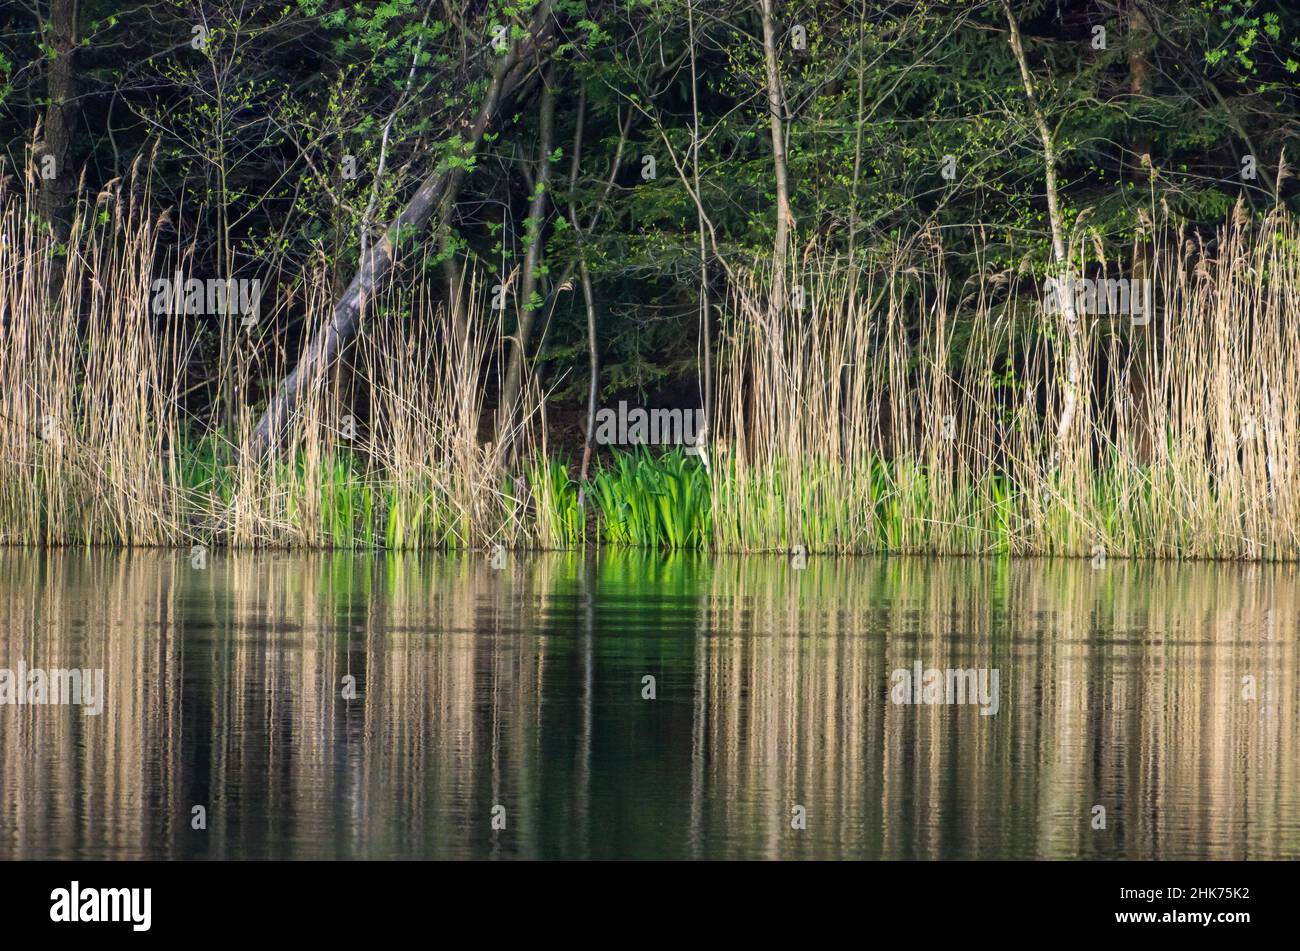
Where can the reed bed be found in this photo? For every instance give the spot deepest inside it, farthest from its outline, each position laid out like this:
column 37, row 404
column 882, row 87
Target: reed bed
column 99, row 449
column 879, row 410
column 874, row 419
column 89, row 404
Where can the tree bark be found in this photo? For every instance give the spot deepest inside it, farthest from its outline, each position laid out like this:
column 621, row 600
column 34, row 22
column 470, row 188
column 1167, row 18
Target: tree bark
column 1070, row 317
column 776, row 110
column 1139, row 79
column 508, row 73
column 60, row 118
column 584, row 272
column 453, row 275
column 1138, row 395
column 536, row 228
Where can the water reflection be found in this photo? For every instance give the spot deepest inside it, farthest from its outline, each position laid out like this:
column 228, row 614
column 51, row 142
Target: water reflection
column 1165, row 694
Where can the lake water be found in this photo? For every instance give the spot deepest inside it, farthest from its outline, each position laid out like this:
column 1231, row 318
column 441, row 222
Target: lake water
column 1164, row 694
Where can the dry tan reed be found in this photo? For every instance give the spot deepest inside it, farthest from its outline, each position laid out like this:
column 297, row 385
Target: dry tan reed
column 97, row 448
column 886, row 410
column 856, row 424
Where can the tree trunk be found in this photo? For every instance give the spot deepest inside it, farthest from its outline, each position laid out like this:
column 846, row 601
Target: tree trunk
column 60, row 119
column 536, row 229
column 1137, row 397
column 1139, row 78
column 453, row 275
column 776, row 110
column 1070, row 317
column 588, row 299
column 508, row 72
column 584, row 272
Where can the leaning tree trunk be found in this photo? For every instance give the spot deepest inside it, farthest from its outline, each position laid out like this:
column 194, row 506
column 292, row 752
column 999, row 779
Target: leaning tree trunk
column 508, row 74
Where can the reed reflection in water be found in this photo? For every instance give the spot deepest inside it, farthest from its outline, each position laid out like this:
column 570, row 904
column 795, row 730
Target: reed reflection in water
column 1164, row 693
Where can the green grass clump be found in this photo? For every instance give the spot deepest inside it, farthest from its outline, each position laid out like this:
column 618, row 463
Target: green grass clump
column 654, row 502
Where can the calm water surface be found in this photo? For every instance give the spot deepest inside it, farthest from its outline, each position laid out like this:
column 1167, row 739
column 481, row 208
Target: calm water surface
column 1164, row 694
